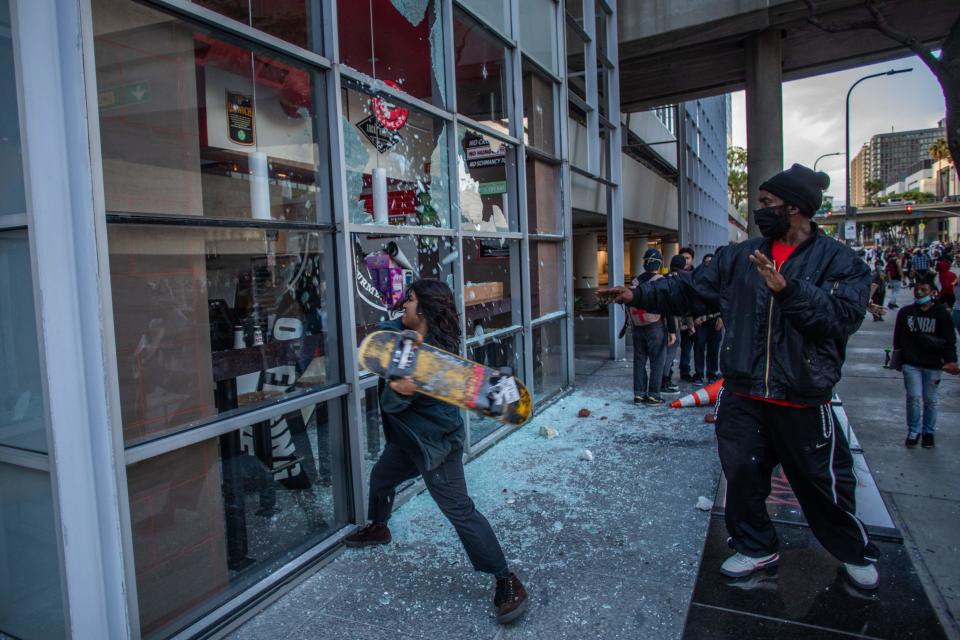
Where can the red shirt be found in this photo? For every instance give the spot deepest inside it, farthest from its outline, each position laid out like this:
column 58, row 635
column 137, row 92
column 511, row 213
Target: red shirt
column 781, row 253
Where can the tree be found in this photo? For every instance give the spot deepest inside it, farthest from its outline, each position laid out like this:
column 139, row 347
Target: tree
column 946, row 67
column 737, row 176
column 873, row 187
column 939, row 151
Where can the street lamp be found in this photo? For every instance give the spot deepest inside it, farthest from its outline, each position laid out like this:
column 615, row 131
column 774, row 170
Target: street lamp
column 846, row 203
column 826, row 155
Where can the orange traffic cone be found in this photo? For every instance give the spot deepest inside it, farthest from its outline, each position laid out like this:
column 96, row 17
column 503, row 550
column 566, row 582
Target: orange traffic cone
column 701, row 397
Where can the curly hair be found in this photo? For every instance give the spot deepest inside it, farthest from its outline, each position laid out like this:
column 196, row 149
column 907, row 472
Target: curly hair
column 435, row 302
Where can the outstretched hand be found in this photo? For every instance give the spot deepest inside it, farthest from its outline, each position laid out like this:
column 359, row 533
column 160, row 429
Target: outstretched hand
column 619, row 295
column 768, row 271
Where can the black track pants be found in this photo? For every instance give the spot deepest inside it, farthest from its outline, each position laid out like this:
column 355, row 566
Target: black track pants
column 448, row 487
column 753, row 437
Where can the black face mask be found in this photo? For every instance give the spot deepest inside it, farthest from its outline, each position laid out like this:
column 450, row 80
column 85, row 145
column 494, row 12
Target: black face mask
column 773, row 222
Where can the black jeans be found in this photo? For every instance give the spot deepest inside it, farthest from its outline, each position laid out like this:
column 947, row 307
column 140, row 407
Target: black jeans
column 649, row 344
column 753, row 437
column 706, row 349
column 448, row 487
column 686, row 349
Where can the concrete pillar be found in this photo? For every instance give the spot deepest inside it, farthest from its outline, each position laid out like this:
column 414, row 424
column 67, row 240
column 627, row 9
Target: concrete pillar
column 585, row 274
column 764, row 102
column 638, row 247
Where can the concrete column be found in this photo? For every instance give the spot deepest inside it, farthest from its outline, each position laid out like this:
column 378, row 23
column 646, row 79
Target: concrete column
column 764, row 102
column 585, row 273
column 638, row 247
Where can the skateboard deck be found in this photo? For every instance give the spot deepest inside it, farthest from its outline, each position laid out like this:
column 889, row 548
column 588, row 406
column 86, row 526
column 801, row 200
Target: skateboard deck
column 445, row 376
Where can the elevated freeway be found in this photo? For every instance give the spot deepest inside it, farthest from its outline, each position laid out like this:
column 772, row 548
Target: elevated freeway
column 900, row 213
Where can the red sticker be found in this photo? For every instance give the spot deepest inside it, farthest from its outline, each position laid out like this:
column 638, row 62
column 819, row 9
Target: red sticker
column 389, row 115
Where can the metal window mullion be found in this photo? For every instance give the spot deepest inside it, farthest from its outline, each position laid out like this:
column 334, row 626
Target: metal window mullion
column 152, row 449
column 27, row 459
column 345, row 295
column 539, row 67
column 549, row 317
column 13, row 221
column 212, row 19
column 395, row 230
column 56, row 40
column 379, row 87
column 487, row 235
column 566, row 199
column 590, row 68
column 467, row 121
column 615, row 213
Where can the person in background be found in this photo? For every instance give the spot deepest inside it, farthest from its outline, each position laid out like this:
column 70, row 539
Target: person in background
column 649, row 333
column 906, row 265
column 706, row 344
column 878, row 287
column 678, row 324
column 895, row 277
column 688, row 326
column 924, row 335
column 919, row 264
column 790, row 301
column 425, row 438
column 948, row 282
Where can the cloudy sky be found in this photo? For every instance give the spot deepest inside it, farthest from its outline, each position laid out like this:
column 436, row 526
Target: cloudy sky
column 813, row 111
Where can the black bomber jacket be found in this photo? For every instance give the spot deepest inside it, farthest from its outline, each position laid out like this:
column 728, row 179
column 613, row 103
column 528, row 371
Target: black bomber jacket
column 786, row 346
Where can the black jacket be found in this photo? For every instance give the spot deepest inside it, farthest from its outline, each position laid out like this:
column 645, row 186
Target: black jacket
column 419, row 423
column 789, row 346
column 926, row 337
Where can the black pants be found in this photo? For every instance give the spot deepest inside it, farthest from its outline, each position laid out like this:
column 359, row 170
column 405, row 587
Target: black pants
column 448, row 487
column 753, row 437
column 706, row 349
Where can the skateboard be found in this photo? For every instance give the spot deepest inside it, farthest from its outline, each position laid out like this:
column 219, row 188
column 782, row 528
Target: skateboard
column 494, row 393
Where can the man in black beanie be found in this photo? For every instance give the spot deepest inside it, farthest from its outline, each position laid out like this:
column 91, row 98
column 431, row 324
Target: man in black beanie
column 789, row 301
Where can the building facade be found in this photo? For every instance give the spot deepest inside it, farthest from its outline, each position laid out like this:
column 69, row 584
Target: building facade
column 859, row 175
column 704, row 225
column 206, row 206
column 893, row 155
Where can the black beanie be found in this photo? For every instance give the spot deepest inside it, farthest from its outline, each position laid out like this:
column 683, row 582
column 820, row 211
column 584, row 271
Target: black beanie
column 678, row 263
column 799, row 186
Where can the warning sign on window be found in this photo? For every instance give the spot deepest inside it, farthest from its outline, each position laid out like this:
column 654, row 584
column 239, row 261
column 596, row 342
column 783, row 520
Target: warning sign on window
column 240, row 117
column 378, row 135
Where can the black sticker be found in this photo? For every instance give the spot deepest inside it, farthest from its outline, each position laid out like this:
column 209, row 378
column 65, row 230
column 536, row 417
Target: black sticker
column 378, row 135
column 240, row 117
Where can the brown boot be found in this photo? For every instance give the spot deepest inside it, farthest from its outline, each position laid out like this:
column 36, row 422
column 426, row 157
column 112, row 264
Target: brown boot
column 510, row 599
column 373, row 533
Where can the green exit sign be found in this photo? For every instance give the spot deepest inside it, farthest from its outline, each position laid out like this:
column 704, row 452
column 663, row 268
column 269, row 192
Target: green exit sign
column 126, row 94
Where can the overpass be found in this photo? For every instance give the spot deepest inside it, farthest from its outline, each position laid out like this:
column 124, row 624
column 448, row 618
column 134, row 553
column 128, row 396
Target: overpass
column 675, row 50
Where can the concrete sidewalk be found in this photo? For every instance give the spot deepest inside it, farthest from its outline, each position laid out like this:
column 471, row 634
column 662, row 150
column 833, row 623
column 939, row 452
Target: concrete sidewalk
column 607, row 548
column 920, row 486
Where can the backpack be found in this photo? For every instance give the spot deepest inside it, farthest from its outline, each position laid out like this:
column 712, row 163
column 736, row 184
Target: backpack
column 642, row 317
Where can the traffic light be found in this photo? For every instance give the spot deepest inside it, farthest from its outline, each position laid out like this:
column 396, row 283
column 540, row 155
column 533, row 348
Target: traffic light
column 910, row 209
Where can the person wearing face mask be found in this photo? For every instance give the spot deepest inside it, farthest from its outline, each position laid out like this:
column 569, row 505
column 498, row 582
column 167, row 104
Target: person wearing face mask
column 923, row 336
column 789, row 302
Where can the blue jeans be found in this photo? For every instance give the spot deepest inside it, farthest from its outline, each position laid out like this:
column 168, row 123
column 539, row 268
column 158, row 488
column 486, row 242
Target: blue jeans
column 921, row 383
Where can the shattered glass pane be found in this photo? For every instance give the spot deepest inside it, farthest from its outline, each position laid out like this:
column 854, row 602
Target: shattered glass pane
column 395, row 162
column 483, row 73
column 486, row 168
column 488, row 296
column 398, row 42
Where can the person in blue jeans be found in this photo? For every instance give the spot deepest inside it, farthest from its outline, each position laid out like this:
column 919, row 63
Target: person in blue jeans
column 924, row 335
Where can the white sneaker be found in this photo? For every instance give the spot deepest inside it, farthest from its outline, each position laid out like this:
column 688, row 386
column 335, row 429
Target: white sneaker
column 863, row 576
column 739, row 565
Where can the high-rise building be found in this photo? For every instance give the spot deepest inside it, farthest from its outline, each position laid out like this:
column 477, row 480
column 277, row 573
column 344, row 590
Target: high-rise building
column 893, row 155
column 859, row 174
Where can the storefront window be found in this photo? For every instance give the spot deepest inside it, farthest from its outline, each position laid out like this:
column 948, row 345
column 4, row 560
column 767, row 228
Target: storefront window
column 384, row 266
column 487, row 169
column 399, row 42
column 31, row 605
column 21, row 394
column 576, row 63
column 12, row 197
column 544, row 204
column 193, row 124
column 539, row 125
column 538, row 31
column 396, row 163
column 548, row 362
column 217, row 320
column 211, row 519
column 495, row 352
column 496, row 13
column 483, row 76
column 491, row 291
column 546, row 277
column 286, row 19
